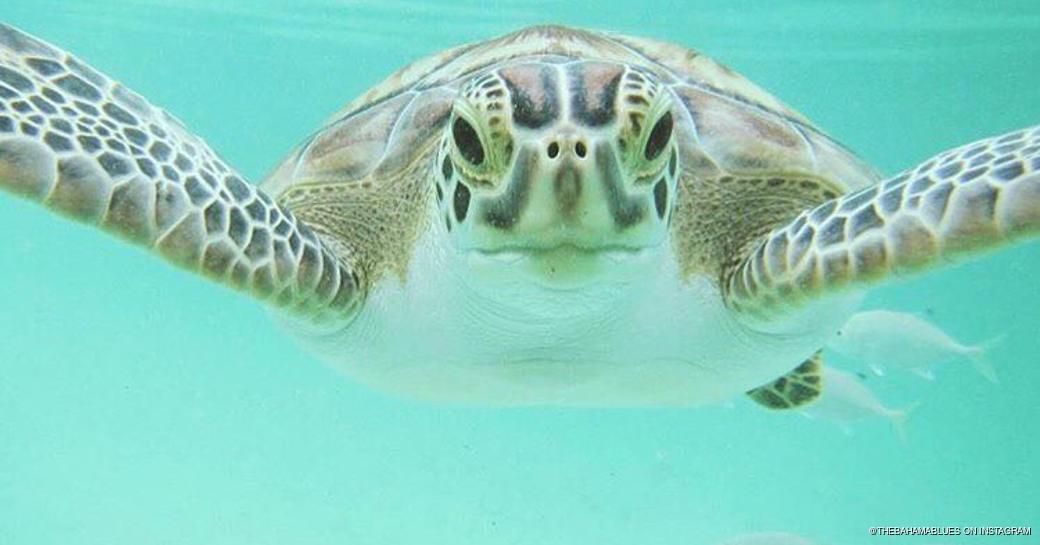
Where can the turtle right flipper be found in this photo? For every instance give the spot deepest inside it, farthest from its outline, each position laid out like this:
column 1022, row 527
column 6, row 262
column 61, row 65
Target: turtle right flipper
column 92, row 150
column 977, row 197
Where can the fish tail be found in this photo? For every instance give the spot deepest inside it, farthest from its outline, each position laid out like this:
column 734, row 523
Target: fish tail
column 899, row 418
column 978, row 355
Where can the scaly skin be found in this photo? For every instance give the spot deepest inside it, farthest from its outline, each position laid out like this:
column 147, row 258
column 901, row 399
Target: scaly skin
column 88, row 148
column 977, row 197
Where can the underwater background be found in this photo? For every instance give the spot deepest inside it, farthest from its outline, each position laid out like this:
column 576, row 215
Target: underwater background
column 140, row 405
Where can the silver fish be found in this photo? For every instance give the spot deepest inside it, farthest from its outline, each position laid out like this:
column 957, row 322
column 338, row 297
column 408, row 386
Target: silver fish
column 886, row 340
column 846, row 400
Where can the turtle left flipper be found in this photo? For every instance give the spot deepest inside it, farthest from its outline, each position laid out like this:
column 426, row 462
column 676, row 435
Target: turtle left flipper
column 799, row 387
column 973, row 198
column 90, row 149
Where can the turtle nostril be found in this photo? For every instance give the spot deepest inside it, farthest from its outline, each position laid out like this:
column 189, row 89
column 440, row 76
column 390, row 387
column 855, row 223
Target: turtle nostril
column 580, row 150
column 553, row 151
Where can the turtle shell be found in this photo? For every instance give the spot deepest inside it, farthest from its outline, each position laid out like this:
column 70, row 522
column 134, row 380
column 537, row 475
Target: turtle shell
column 725, row 123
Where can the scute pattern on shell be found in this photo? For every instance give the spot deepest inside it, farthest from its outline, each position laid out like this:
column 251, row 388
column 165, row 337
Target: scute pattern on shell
column 727, row 128
column 738, row 126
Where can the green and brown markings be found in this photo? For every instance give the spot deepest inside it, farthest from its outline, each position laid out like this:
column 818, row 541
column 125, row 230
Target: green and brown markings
column 795, row 389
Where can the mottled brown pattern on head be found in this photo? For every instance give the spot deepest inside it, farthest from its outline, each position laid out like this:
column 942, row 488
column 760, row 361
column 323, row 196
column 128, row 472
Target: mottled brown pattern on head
column 419, row 125
column 350, row 148
column 597, row 75
column 742, row 140
column 675, row 66
column 369, row 190
column 595, row 90
column 725, row 128
column 382, row 218
column 534, row 93
column 717, row 221
column 668, row 62
column 527, row 77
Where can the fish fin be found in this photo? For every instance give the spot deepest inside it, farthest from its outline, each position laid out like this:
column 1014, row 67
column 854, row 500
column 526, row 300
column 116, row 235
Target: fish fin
column 978, row 355
column 795, row 389
column 899, row 419
column 924, row 373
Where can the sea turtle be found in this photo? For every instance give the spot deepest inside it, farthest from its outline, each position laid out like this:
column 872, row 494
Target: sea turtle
column 554, row 216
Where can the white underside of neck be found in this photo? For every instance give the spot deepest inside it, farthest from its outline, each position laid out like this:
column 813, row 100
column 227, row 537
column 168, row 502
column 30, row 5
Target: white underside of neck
column 463, row 330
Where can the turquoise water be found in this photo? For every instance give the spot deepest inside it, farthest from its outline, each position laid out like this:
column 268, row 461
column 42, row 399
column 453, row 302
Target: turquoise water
column 141, row 405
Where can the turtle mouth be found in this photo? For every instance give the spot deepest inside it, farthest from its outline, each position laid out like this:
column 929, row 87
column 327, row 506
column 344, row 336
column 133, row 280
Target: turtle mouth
column 518, row 253
column 565, row 266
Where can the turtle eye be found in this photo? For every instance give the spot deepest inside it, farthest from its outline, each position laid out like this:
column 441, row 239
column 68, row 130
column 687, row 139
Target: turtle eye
column 467, row 141
column 659, row 137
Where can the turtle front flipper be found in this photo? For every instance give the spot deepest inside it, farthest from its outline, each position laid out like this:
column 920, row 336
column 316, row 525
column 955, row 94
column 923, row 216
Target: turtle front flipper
column 977, row 197
column 92, row 150
column 795, row 389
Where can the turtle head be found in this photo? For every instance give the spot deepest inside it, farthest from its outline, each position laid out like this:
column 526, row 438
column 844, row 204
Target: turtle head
column 559, row 165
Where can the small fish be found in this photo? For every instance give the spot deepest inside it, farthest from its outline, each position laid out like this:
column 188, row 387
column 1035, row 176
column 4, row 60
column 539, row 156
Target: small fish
column 768, row 538
column 845, row 400
column 884, row 340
